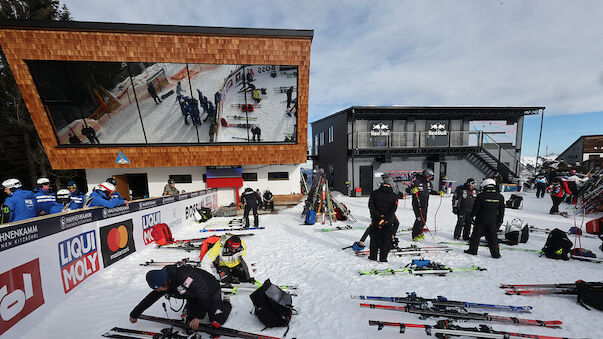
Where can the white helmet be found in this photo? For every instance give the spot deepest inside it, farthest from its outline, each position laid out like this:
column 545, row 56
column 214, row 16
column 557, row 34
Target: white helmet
column 63, row 193
column 43, row 181
column 12, row 184
column 488, row 182
column 107, row 186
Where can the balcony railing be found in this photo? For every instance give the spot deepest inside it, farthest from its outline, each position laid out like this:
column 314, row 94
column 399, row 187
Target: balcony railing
column 365, row 140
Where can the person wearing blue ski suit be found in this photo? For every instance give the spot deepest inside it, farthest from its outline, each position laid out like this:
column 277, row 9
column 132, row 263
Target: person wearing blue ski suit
column 77, row 197
column 103, row 196
column 20, row 203
column 45, row 198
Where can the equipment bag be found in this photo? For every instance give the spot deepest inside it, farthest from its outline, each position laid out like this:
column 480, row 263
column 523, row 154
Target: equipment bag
column 421, row 263
column 557, row 245
column 207, row 245
column 202, row 214
column 590, row 293
column 594, row 226
column 575, row 230
column 162, row 234
column 516, row 232
column 272, row 306
column 515, row 202
column 310, row 217
column 582, row 252
column 339, row 214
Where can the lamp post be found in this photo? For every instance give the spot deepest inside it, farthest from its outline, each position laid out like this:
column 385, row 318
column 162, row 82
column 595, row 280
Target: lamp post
column 539, row 138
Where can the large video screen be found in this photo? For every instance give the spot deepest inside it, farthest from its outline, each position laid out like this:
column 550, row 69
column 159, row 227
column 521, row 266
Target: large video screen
column 109, row 103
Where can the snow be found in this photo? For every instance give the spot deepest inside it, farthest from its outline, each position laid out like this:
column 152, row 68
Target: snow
column 290, row 253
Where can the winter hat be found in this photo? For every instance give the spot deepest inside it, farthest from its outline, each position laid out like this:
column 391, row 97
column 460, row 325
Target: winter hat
column 156, row 278
column 71, row 183
column 470, row 181
column 234, row 242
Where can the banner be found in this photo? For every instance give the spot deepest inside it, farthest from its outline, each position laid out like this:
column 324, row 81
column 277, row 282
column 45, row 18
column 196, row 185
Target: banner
column 78, row 258
column 117, row 241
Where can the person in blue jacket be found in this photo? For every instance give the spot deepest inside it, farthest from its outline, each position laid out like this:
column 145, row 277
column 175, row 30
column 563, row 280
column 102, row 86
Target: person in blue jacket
column 20, row 203
column 102, row 195
column 45, row 198
column 77, row 197
column 63, row 202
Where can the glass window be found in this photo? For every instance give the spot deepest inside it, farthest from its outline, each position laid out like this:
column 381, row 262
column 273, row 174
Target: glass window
column 278, row 175
column 182, row 178
column 322, row 138
column 331, row 134
column 250, row 176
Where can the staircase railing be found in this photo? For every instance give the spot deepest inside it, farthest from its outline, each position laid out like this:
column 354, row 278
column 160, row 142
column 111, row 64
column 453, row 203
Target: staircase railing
column 498, row 154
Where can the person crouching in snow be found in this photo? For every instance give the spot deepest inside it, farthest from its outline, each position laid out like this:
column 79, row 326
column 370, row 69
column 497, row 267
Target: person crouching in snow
column 199, row 288
column 383, row 203
column 226, row 258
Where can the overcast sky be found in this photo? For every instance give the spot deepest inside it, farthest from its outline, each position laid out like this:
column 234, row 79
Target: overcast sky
column 424, row 52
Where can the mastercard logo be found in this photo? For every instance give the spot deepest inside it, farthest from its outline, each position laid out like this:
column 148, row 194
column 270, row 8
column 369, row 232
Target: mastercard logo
column 117, row 238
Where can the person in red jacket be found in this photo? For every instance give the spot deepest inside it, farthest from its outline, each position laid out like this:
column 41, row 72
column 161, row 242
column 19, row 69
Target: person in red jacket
column 557, row 190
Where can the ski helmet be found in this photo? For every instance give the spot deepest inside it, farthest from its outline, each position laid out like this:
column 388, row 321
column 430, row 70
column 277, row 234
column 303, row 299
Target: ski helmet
column 12, row 184
column 112, row 181
column 488, row 182
column 63, row 196
column 427, row 173
column 43, row 181
column 234, row 243
column 107, row 187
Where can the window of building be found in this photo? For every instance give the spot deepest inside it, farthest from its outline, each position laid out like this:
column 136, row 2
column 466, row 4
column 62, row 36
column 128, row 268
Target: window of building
column 315, row 144
column 331, row 134
column 182, row 178
column 250, row 177
column 278, row 175
column 322, row 138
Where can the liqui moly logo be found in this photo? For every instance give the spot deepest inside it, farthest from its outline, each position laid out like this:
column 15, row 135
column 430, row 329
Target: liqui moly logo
column 79, row 259
column 148, row 221
column 20, row 293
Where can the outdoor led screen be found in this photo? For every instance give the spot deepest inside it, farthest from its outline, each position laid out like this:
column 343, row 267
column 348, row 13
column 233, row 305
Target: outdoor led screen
column 108, row 103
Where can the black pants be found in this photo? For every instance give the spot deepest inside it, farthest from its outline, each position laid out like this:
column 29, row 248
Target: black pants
column 540, row 188
column 241, row 272
column 269, row 205
column 556, row 202
column 381, row 242
column 256, row 220
column 214, row 307
column 489, row 230
column 463, row 224
column 156, row 98
column 420, row 218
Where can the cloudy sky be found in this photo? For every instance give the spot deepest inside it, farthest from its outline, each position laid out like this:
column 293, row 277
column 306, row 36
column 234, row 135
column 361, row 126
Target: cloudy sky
column 424, row 52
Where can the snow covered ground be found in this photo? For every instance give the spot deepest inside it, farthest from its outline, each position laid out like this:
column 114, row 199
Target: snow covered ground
column 290, row 253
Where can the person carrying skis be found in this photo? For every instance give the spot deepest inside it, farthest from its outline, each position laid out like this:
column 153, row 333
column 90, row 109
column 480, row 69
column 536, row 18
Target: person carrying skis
column 488, row 211
column 225, row 257
column 20, row 204
column 151, row 90
column 462, row 204
column 249, row 199
column 540, row 186
column 420, row 188
column 199, row 288
column 383, row 203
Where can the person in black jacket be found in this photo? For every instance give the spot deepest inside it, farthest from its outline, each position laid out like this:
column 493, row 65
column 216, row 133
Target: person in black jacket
column 462, row 205
column 383, row 203
column 199, row 288
column 268, row 200
column 420, row 188
column 489, row 212
column 250, row 200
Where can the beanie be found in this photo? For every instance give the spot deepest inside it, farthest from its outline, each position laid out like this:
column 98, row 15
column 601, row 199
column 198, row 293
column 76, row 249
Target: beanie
column 156, row 278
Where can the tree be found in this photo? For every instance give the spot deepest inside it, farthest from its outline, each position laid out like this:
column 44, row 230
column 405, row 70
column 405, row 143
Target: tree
column 21, row 152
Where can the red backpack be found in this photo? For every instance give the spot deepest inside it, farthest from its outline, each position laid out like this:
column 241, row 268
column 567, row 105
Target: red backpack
column 207, row 245
column 162, row 234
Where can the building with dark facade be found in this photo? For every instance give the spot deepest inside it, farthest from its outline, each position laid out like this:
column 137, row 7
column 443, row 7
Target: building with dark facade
column 357, row 145
column 587, row 151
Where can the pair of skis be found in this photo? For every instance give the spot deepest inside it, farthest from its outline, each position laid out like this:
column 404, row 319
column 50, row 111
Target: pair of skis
column 441, row 302
column 339, row 228
column 410, row 250
column 445, row 329
column 464, row 315
column 440, row 270
column 547, row 231
column 167, row 333
column 540, row 289
column 231, row 229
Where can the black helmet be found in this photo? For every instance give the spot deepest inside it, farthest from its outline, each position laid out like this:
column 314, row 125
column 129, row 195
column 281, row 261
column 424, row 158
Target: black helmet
column 171, row 181
column 427, row 173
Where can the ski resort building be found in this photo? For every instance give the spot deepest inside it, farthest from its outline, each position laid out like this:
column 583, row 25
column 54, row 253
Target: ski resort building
column 359, row 144
column 587, row 150
column 208, row 107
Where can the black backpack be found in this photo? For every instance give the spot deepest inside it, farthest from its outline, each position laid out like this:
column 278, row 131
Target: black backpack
column 558, row 245
column 514, row 202
column 590, row 293
column 204, row 214
column 273, row 306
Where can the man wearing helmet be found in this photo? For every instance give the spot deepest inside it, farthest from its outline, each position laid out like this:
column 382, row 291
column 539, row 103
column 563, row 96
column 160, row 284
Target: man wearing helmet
column 77, row 198
column 170, row 188
column 250, row 200
column 102, row 195
column 489, row 212
column 45, row 198
column 63, row 201
column 225, row 258
column 20, row 204
column 420, row 188
column 462, row 204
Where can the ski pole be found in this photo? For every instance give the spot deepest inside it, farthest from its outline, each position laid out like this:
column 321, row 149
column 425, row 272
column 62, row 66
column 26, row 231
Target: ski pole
column 435, row 217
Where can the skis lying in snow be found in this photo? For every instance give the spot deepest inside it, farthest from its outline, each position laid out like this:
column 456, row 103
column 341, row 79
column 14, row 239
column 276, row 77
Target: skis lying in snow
column 185, row 261
column 445, row 328
column 484, row 245
column 546, row 230
column 235, row 288
column 339, row 228
column 540, row 289
column 410, row 250
column 225, row 331
column 195, row 244
column 455, row 314
column 590, row 259
column 241, row 117
column 165, row 333
column 231, row 229
column 438, row 271
column 412, row 299
column 529, row 286
column 541, row 292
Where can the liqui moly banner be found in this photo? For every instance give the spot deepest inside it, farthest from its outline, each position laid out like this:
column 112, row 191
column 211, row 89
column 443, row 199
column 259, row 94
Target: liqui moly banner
column 78, row 257
column 148, row 221
column 20, row 293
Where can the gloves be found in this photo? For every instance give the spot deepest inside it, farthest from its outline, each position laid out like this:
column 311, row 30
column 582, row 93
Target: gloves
column 441, row 193
column 358, row 246
column 415, row 190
